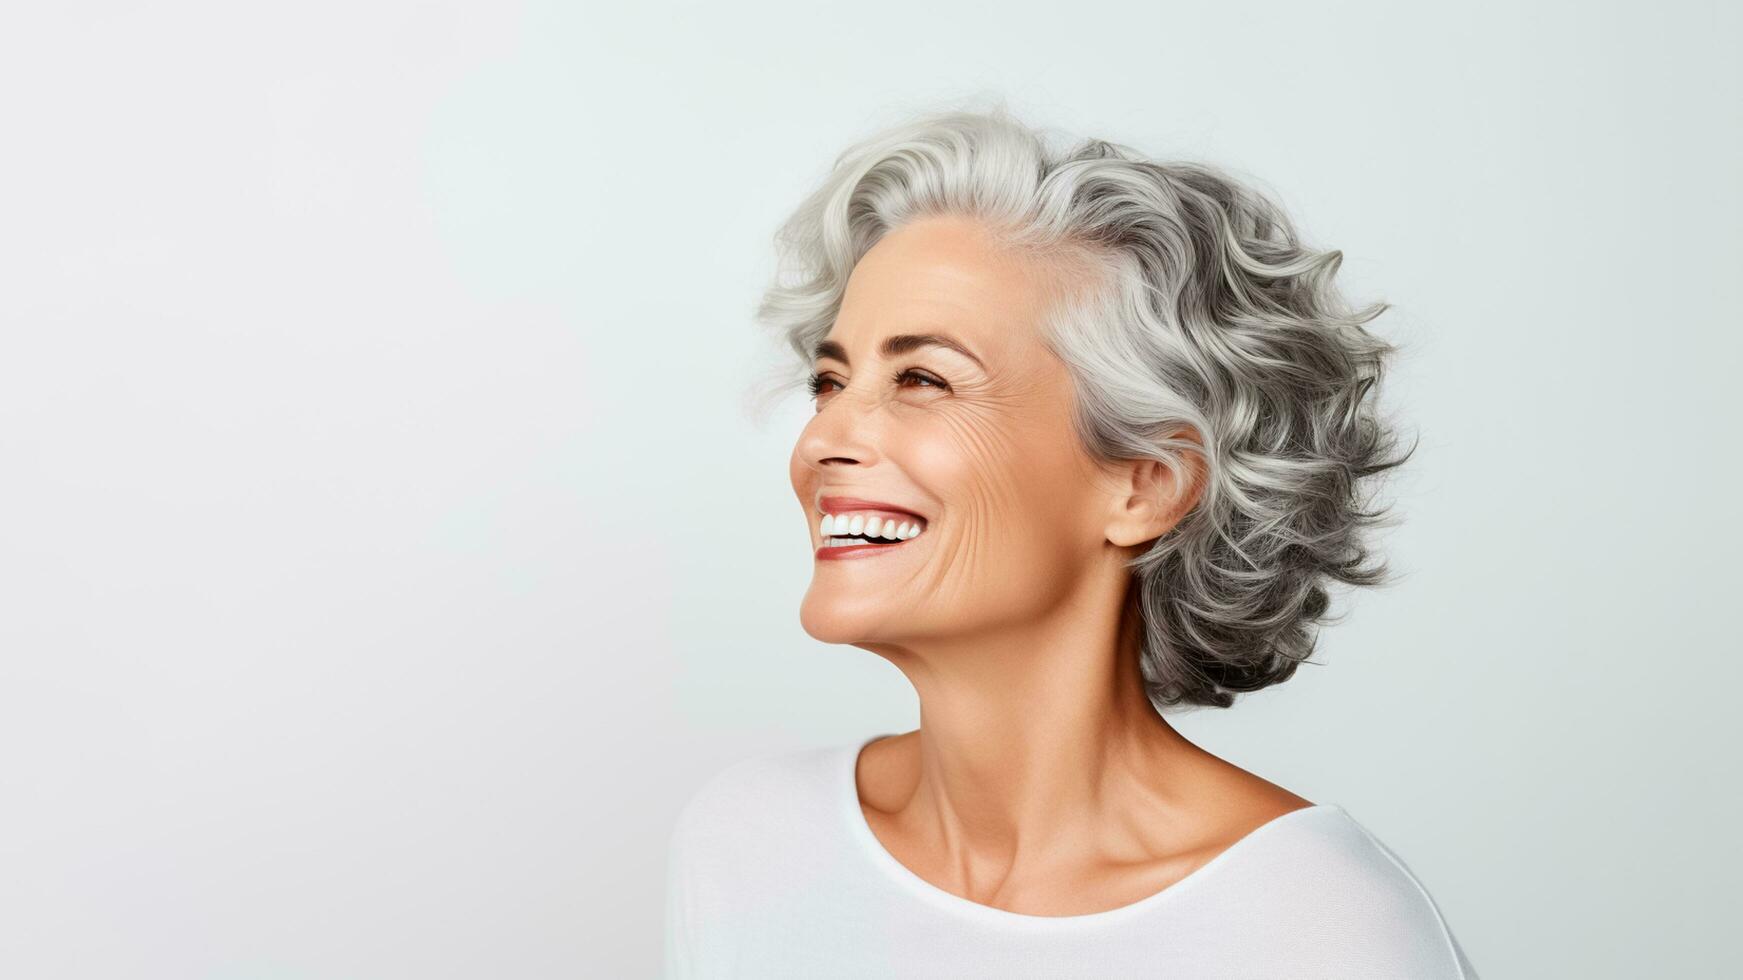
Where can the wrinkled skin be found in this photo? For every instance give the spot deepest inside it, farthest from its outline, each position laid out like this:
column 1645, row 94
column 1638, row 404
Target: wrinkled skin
column 1040, row 780
column 990, row 462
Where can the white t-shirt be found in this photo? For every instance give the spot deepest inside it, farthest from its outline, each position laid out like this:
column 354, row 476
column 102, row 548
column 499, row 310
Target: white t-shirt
column 772, row 872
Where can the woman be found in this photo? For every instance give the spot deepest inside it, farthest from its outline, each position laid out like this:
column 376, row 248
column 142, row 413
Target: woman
column 1090, row 441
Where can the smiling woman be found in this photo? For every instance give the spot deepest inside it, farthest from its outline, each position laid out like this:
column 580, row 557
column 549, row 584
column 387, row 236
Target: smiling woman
column 1095, row 433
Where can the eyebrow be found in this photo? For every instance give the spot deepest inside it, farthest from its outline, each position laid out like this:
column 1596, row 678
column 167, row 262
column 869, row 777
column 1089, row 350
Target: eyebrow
column 899, row 344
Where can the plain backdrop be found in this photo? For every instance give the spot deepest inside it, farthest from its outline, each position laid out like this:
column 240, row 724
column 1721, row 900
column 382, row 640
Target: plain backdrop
column 386, row 551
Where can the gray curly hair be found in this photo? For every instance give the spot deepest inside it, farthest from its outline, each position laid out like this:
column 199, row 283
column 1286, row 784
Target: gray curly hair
column 1199, row 308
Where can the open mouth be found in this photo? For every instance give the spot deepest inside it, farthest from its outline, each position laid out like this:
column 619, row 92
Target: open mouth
column 855, row 546
column 861, row 533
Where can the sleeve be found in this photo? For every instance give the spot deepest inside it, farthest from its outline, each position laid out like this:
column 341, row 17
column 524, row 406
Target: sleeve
column 1422, row 924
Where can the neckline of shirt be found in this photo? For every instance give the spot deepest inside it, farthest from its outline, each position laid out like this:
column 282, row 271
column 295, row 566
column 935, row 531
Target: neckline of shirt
column 868, row 843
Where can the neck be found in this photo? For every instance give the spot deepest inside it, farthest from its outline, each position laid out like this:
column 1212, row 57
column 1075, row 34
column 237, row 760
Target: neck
column 1034, row 741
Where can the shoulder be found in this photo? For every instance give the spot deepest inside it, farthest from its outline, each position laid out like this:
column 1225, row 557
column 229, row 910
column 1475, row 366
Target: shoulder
column 756, row 796
column 1342, row 854
column 726, row 848
column 750, row 833
column 1333, row 886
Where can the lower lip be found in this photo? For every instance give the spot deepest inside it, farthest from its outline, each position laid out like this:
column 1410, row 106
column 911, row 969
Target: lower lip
column 857, row 550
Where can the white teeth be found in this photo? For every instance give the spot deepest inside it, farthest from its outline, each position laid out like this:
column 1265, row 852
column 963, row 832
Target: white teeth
column 872, row 526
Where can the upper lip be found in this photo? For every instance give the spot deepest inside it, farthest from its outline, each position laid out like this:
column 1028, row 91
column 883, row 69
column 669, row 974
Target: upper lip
column 842, row 505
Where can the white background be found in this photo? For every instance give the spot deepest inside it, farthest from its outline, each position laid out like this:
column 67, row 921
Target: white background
column 386, row 551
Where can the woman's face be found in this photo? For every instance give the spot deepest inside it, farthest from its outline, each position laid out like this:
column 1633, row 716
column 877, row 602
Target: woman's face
column 978, row 443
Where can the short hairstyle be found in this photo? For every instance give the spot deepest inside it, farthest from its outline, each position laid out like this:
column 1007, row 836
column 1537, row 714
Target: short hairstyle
column 1196, row 305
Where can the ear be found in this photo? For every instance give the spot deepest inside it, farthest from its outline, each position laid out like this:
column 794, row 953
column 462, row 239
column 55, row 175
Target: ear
column 1148, row 500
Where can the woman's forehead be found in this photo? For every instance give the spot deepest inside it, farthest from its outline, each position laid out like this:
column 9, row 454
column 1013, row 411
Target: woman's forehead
column 945, row 267
column 986, row 322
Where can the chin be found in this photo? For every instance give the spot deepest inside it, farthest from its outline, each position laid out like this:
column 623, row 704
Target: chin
column 832, row 620
column 828, row 627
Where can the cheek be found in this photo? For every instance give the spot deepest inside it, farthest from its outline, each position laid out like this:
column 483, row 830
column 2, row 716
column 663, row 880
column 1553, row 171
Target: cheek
column 1009, row 547
column 1012, row 492
column 802, row 477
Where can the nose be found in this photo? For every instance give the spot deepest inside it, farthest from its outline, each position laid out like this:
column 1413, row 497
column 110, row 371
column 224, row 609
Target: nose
column 842, row 433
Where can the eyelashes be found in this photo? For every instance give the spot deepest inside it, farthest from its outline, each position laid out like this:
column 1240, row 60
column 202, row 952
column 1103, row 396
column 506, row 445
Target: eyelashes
column 818, row 381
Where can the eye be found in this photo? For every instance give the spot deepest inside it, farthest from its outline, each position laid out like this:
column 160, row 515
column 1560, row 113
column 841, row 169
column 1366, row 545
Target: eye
column 817, row 382
column 919, row 376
